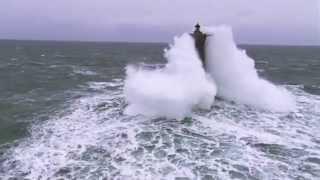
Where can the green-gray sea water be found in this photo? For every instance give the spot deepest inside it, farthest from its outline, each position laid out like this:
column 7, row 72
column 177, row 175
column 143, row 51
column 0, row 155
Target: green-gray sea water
column 61, row 116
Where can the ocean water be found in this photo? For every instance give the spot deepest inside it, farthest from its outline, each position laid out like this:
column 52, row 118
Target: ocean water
column 61, row 116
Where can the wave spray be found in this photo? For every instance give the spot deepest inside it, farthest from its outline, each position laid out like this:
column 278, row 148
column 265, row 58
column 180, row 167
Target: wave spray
column 174, row 90
column 236, row 76
column 183, row 85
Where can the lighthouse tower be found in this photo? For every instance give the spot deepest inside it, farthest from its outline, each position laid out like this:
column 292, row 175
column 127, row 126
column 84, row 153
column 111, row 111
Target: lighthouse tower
column 200, row 40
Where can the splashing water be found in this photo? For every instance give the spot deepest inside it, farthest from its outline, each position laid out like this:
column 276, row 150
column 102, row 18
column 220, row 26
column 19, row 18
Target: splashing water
column 92, row 139
column 236, row 76
column 183, row 84
column 173, row 91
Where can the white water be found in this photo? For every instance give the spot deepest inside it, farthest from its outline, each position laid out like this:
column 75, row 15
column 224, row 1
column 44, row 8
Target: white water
column 94, row 140
column 236, row 77
column 174, row 90
column 183, row 85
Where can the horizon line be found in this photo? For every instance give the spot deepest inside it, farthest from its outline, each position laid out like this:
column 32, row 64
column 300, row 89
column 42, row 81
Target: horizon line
column 146, row 42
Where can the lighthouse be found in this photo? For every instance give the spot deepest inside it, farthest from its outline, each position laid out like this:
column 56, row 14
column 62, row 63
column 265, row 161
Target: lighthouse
column 200, row 40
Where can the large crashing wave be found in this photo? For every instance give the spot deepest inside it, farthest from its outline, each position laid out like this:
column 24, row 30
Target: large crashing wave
column 236, row 76
column 174, row 90
column 183, row 84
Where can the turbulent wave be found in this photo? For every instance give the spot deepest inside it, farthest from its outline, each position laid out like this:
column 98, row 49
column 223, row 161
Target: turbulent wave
column 173, row 90
column 236, row 77
column 99, row 137
column 93, row 139
column 182, row 85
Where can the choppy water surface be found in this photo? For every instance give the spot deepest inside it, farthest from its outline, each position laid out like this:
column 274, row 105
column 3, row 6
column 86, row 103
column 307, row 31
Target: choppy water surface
column 62, row 117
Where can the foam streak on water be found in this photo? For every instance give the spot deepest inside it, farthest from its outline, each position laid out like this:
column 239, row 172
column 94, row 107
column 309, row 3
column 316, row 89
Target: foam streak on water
column 93, row 139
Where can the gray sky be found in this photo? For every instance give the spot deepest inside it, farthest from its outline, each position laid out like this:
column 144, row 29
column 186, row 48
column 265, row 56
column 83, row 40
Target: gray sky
column 253, row 21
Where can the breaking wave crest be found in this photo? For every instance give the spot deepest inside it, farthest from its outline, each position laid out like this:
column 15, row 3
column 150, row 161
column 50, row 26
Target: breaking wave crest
column 174, row 90
column 236, row 76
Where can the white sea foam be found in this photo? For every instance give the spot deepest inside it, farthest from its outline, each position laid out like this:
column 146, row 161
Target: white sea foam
column 236, row 77
column 182, row 85
column 83, row 71
column 174, row 90
column 93, row 140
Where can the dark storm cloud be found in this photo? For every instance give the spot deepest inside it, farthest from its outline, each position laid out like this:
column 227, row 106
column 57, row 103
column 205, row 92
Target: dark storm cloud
column 263, row 21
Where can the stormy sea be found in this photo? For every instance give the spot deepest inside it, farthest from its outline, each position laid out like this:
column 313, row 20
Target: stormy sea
column 82, row 110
